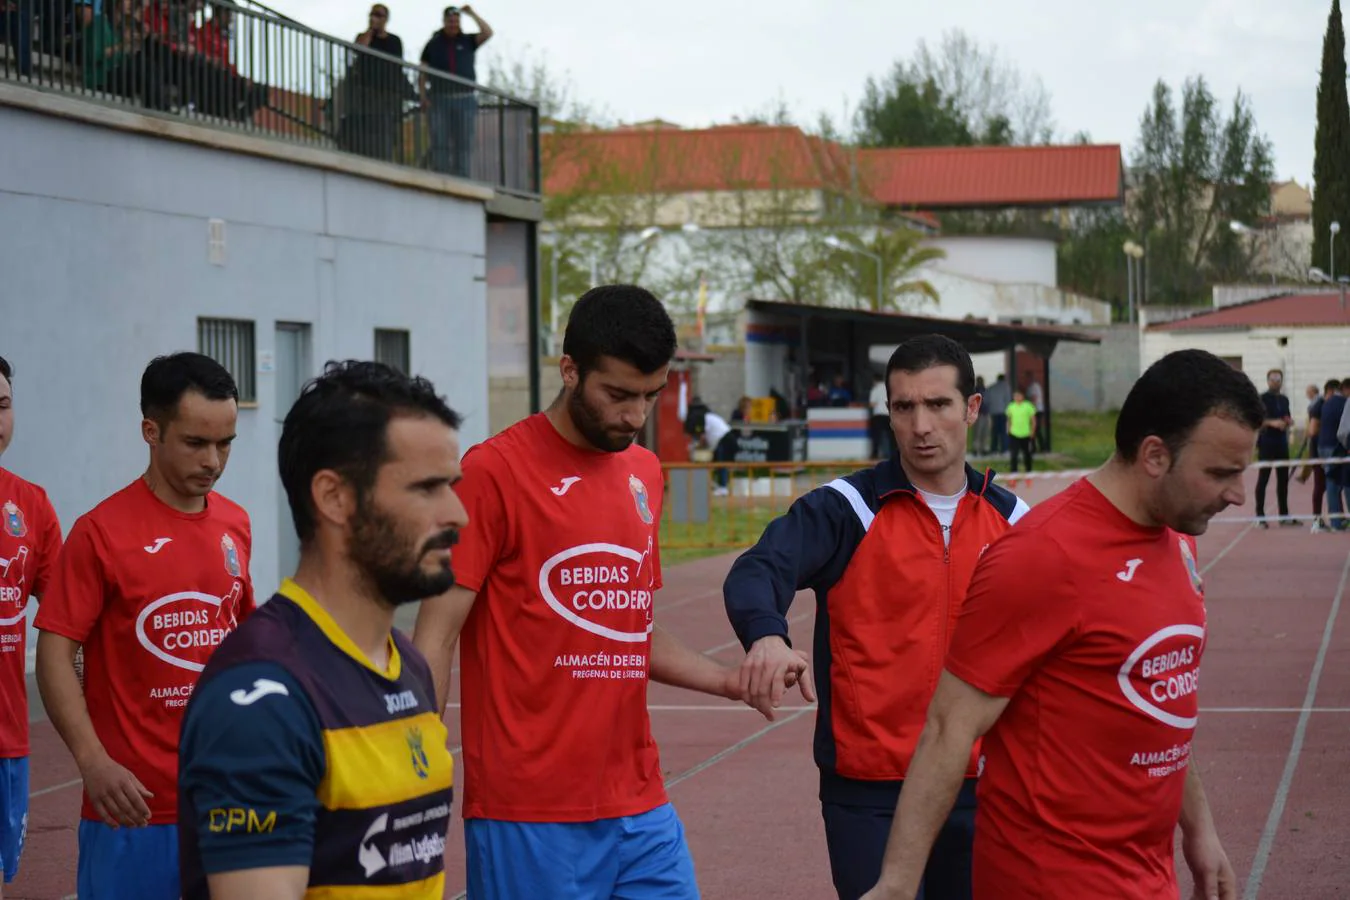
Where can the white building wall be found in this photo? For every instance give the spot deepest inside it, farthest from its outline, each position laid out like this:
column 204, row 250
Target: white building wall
column 104, row 255
column 1015, row 260
column 1308, row 356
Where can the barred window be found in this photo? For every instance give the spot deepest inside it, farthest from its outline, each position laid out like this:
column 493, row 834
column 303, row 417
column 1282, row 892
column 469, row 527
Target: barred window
column 230, row 342
column 392, row 347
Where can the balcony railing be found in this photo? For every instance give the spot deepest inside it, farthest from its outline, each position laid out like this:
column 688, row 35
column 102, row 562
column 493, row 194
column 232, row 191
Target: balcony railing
column 249, row 69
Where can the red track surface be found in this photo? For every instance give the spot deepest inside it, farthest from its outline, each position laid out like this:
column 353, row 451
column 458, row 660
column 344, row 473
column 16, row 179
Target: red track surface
column 1274, row 753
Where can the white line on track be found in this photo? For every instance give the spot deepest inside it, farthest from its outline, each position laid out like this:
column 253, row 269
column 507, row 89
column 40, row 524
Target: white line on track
column 1258, row 870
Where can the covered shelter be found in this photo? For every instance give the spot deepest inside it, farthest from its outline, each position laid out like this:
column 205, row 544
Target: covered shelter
column 786, row 341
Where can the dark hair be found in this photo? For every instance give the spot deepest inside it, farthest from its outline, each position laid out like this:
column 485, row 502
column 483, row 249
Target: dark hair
column 621, row 321
column 927, row 351
column 1175, row 393
column 341, row 422
column 168, row 378
column 7, row 370
column 449, row 10
column 1331, row 385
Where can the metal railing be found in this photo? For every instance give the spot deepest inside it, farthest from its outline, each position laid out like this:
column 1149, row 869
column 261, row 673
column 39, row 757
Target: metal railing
column 251, row 70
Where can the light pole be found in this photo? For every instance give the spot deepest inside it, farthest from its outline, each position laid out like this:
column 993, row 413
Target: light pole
column 1133, row 253
column 1244, row 229
column 1317, row 274
column 1335, row 230
column 832, row 241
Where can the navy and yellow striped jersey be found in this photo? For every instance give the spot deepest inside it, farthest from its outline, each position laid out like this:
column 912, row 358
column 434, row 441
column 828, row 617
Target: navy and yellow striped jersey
column 297, row 751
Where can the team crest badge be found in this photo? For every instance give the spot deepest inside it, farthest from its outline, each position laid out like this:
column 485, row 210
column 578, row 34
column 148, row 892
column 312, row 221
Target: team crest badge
column 421, row 765
column 15, row 526
column 1192, row 570
column 231, row 556
column 639, row 491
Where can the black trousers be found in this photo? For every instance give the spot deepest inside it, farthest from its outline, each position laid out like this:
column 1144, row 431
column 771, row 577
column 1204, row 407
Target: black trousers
column 856, row 838
column 1281, row 485
column 1021, row 446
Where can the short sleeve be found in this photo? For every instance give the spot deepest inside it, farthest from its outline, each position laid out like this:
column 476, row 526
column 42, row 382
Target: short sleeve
column 1013, row 617
column 49, row 549
column 251, row 759
column 482, row 541
column 77, row 591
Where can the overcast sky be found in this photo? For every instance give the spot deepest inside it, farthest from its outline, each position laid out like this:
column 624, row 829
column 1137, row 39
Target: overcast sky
column 702, row 63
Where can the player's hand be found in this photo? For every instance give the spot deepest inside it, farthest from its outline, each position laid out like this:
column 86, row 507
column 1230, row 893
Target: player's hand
column 1209, row 865
column 769, row 669
column 116, row 794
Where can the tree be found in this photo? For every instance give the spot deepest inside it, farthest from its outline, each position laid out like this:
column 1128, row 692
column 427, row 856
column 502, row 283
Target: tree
column 1196, row 173
column 1331, row 166
column 986, row 89
column 900, row 253
column 530, row 77
column 901, row 112
column 956, row 94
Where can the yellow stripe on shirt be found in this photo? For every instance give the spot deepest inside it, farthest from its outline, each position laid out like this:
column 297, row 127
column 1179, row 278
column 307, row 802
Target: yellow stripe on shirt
column 432, row 888
column 387, row 763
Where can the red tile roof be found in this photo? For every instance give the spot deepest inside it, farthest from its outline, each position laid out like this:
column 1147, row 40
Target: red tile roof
column 972, row 177
column 1307, row 310
column 669, row 161
column 662, row 159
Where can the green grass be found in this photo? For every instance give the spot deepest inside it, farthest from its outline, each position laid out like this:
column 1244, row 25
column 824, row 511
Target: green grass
column 1081, row 441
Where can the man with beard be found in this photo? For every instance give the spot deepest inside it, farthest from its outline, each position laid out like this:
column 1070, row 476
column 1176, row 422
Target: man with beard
column 1077, row 659
column 149, row 583
column 888, row 552
column 557, row 571
column 313, row 756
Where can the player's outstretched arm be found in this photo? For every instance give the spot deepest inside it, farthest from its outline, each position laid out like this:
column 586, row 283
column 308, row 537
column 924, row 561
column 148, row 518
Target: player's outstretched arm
column 116, row 794
column 251, row 760
column 675, row 664
column 957, row 716
column 439, row 622
column 808, row 546
column 1200, row 844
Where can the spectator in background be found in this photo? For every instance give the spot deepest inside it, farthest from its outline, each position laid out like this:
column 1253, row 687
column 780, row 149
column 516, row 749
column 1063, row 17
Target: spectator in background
column 1036, row 397
column 1021, row 415
column 1317, row 471
column 880, row 422
column 115, row 61
column 1272, row 444
column 840, row 394
column 453, row 106
column 16, row 30
column 1329, row 446
column 374, row 93
column 997, row 398
column 979, row 438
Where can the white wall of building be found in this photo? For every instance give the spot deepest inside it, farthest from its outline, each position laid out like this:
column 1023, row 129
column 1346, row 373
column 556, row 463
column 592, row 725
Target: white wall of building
column 1010, row 259
column 1308, row 356
column 1016, row 303
column 104, row 264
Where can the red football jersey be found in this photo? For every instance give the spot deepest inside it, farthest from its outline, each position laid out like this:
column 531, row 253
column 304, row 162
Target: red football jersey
column 30, row 539
column 561, row 548
column 1082, row 776
column 150, row 592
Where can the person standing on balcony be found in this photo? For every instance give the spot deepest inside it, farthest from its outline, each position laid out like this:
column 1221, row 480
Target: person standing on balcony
column 452, row 105
column 375, row 92
column 888, row 551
